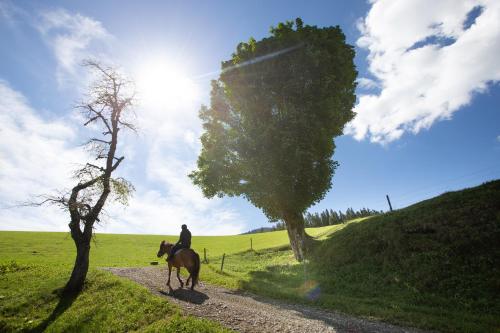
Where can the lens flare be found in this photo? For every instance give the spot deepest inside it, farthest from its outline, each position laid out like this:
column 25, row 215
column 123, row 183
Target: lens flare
column 311, row 290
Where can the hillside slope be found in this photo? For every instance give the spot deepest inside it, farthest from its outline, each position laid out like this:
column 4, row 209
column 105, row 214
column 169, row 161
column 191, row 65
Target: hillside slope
column 441, row 255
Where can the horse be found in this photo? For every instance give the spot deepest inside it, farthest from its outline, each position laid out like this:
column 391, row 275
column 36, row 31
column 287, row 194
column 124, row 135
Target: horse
column 182, row 258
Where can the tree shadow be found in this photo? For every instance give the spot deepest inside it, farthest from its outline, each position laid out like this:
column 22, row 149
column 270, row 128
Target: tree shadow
column 187, row 295
column 65, row 301
column 360, row 266
column 273, row 279
column 304, row 288
column 270, row 286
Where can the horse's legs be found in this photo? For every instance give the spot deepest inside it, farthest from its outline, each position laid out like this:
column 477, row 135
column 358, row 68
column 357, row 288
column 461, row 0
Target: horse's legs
column 179, row 278
column 192, row 282
column 190, row 278
column 169, row 273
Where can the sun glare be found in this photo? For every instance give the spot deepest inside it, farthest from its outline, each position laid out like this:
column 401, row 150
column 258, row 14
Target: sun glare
column 161, row 84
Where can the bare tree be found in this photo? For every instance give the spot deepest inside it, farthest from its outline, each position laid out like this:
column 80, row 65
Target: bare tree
column 108, row 107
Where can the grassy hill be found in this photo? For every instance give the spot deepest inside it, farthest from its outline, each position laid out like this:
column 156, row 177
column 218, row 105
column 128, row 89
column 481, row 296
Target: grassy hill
column 433, row 265
column 449, row 245
column 436, row 263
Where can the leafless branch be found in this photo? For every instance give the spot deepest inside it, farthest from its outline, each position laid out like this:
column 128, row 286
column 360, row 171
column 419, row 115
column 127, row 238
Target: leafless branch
column 128, row 125
column 98, row 140
column 97, row 115
column 41, row 200
column 96, row 167
column 117, row 163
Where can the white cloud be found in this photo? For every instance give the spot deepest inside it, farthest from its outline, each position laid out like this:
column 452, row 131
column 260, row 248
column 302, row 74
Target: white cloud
column 427, row 63
column 11, row 15
column 37, row 157
column 6, row 12
column 34, row 154
column 367, row 83
column 154, row 213
column 73, row 37
column 157, row 160
column 171, row 147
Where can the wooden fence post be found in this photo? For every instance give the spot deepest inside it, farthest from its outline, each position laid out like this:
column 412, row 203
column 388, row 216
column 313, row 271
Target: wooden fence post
column 389, row 201
column 251, row 245
column 222, row 264
column 205, row 256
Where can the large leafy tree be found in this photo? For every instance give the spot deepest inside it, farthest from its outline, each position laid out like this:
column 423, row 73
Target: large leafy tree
column 274, row 113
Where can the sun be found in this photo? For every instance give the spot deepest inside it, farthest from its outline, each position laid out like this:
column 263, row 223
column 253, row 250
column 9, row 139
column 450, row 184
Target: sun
column 166, row 85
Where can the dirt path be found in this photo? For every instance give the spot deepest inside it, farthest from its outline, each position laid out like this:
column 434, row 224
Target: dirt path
column 246, row 312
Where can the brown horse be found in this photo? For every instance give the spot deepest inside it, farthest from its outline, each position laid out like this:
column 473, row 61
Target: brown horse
column 182, row 258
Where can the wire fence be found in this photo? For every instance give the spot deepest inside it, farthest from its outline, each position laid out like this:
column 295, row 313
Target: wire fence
column 404, row 199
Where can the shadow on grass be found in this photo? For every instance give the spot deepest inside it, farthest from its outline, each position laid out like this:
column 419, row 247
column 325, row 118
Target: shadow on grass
column 65, row 301
column 278, row 248
column 279, row 280
column 187, row 295
column 292, row 288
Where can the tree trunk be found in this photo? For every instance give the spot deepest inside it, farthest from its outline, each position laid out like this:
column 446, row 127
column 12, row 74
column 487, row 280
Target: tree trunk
column 298, row 238
column 77, row 279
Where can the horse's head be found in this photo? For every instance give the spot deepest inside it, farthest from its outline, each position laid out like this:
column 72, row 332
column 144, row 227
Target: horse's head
column 165, row 247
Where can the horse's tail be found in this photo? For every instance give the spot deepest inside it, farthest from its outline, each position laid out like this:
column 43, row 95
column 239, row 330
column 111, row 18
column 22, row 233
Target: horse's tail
column 196, row 269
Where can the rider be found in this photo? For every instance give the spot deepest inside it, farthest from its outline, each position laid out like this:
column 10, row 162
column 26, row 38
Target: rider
column 183, row 243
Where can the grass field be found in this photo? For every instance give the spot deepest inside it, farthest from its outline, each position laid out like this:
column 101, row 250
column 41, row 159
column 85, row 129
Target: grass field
column 35, row 265
column 30, row 302
column 110, row 250
column 433, row 265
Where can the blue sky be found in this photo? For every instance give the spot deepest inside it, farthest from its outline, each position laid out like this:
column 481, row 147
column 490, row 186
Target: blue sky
column 428, row 99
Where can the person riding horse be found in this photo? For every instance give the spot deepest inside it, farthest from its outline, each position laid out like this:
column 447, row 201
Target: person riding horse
column 183, row 243
column 187, row 258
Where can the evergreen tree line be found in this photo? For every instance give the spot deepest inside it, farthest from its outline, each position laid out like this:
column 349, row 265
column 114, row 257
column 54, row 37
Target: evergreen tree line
column 331, row 217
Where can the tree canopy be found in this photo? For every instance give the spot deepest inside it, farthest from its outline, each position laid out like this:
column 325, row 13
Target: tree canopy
column 274, row 112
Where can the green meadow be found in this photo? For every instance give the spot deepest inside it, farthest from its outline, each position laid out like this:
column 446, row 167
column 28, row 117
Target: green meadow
column 34, row 266
column 114, row 250
column 433, row 265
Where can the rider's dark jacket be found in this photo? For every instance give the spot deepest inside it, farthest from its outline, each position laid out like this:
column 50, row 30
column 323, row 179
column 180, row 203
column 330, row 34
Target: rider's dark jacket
column 185, row 238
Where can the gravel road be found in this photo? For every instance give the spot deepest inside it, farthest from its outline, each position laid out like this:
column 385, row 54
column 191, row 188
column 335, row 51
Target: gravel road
column 245, row 312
